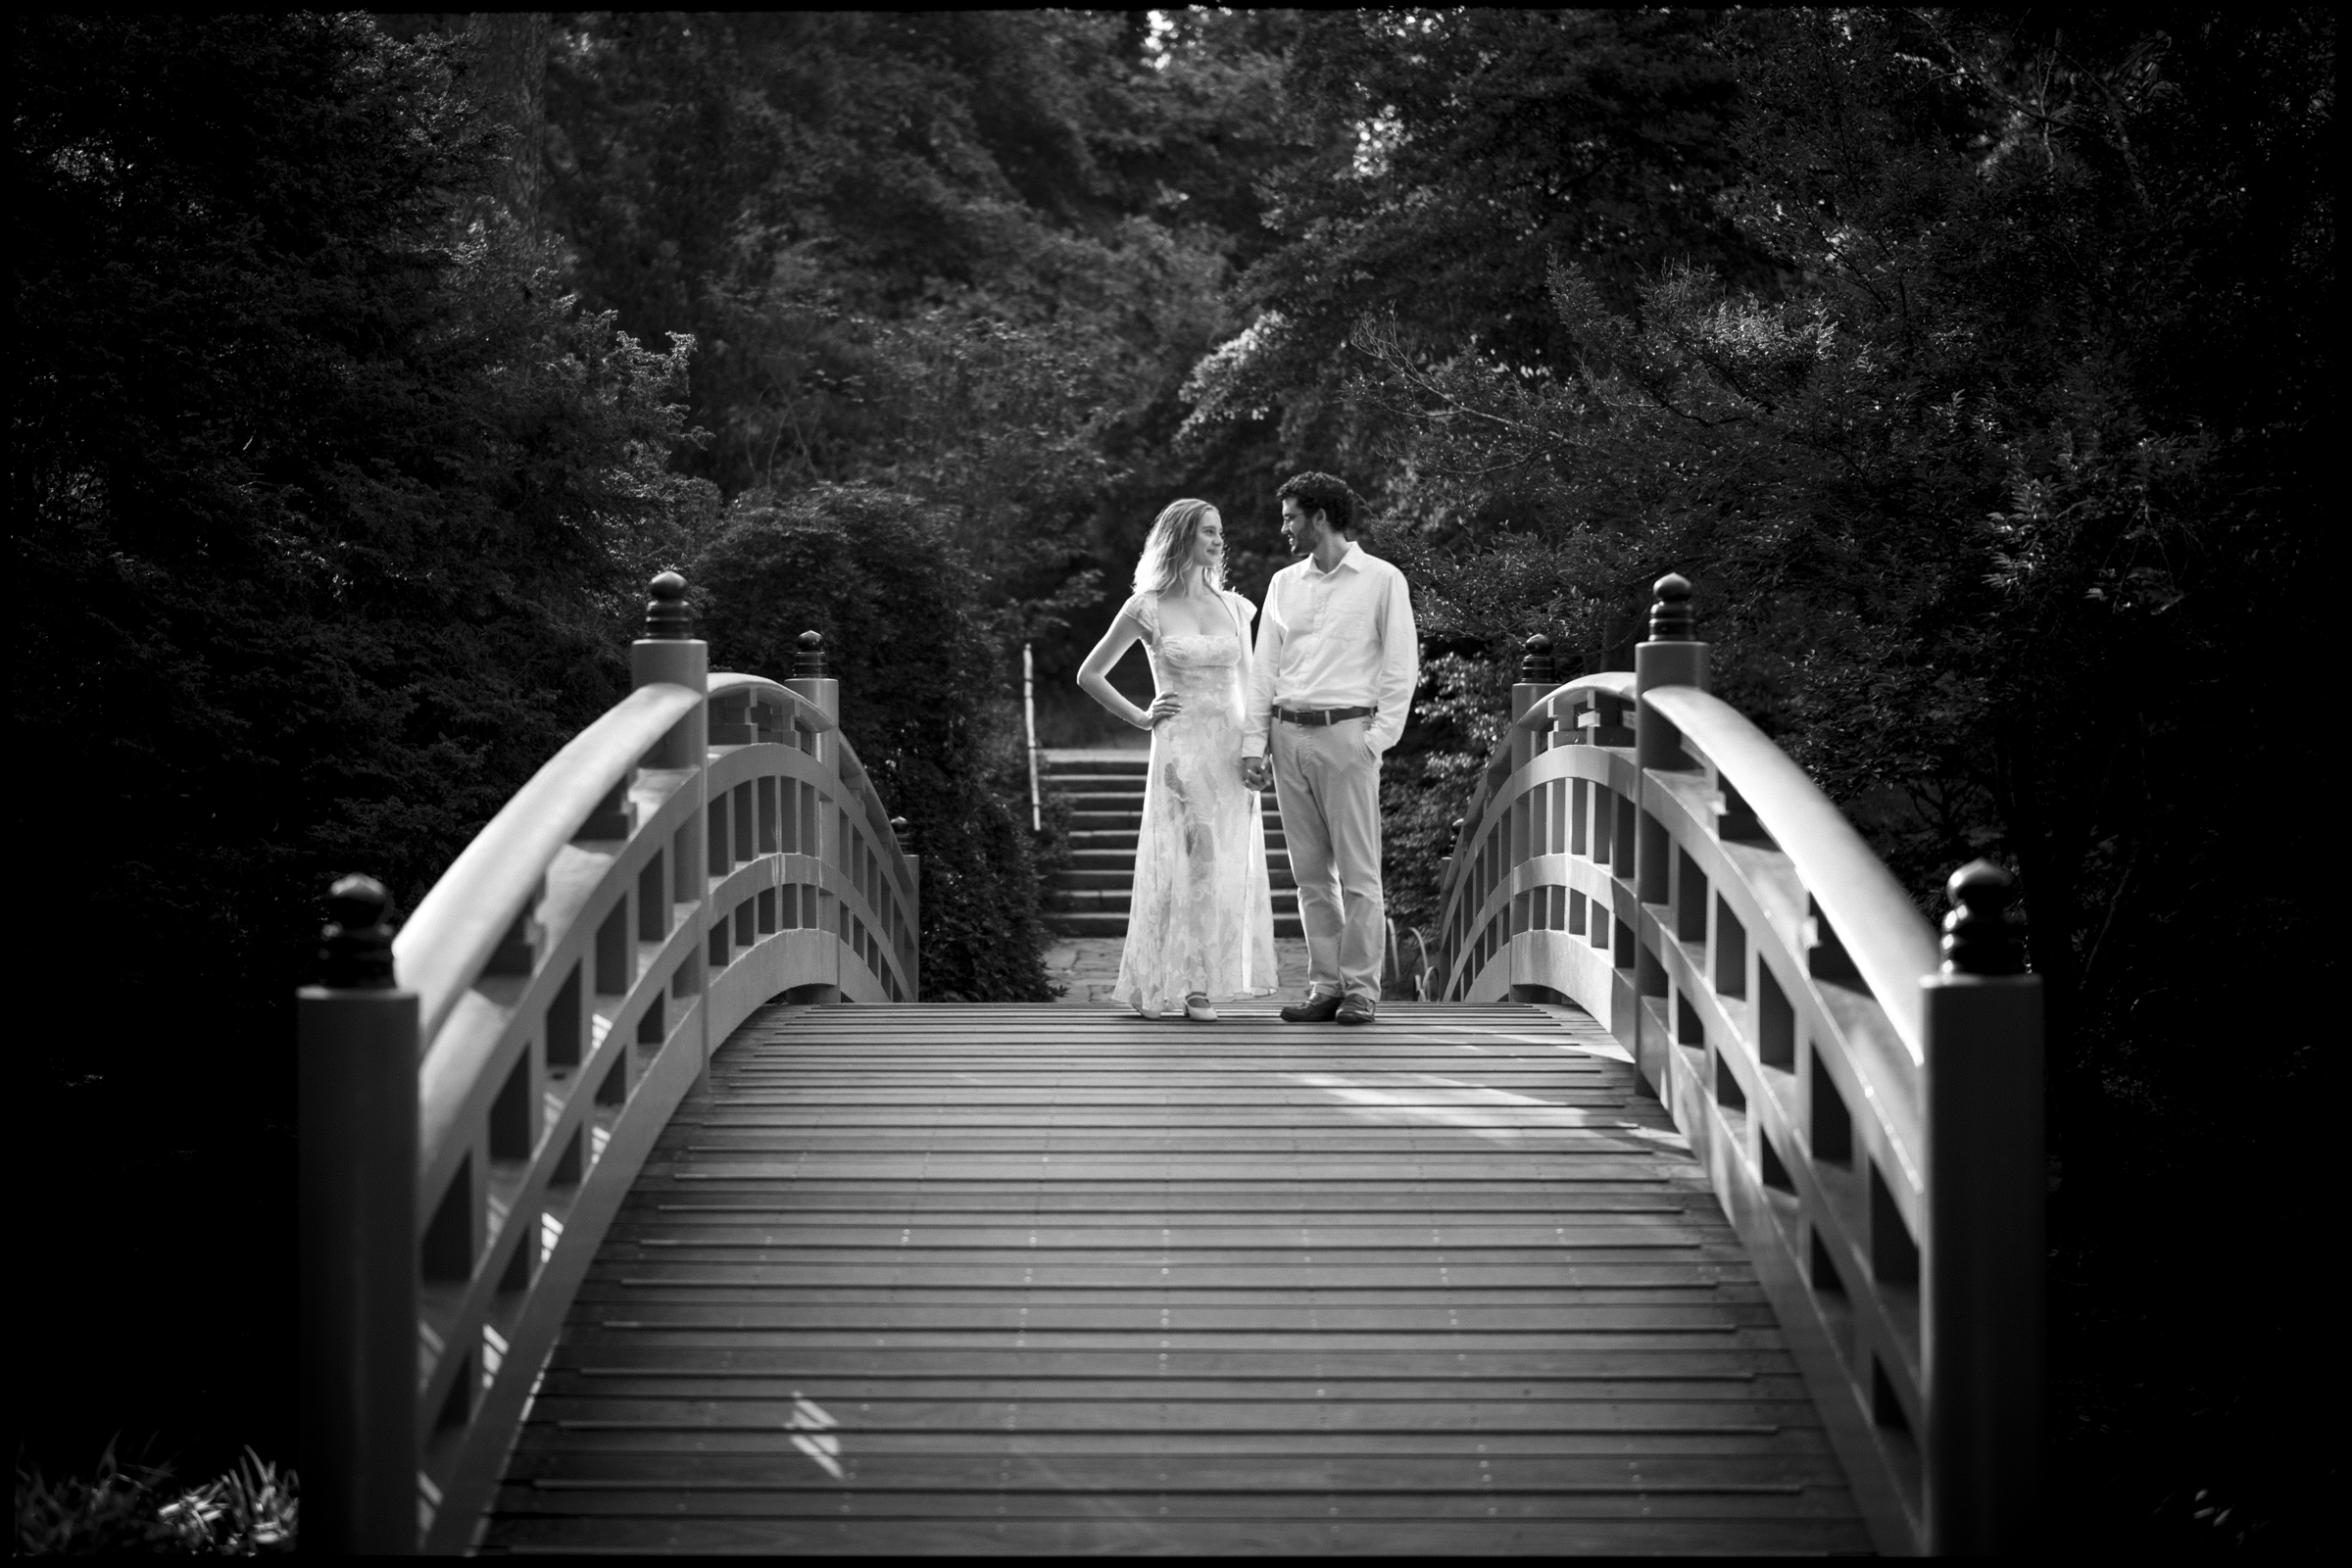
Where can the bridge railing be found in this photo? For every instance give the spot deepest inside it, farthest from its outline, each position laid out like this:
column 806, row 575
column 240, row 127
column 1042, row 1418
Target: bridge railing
column 1869, row 1109
column 709, row 845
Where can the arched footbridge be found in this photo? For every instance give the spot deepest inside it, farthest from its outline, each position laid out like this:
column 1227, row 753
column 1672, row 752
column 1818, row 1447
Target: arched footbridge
column 647, row 1207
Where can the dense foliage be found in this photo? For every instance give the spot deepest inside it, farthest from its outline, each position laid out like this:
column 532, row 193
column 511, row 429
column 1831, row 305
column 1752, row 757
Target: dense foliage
column 333, row 497
column 878, row 575
column 1987, row 431
column 1974, row 368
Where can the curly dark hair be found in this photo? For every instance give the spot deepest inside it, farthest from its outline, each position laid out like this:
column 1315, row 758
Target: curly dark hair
column 1321, row 492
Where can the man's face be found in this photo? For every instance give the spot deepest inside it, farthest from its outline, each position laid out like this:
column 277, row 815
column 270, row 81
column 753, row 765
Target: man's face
column 1300, row 530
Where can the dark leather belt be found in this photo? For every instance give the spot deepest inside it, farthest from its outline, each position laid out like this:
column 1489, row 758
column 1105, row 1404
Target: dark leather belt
column 1321, row 715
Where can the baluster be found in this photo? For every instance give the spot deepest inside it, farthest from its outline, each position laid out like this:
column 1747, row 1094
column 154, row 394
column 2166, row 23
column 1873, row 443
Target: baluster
column 357, row 1056
column 1982, row 1295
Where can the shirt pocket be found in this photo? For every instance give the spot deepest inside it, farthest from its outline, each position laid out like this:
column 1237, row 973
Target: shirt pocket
column 1348, row 624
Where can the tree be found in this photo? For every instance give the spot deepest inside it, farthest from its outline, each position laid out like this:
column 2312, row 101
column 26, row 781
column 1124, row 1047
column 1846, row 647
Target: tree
column 1983, row 515
column 339, row 504
column 1456, row 156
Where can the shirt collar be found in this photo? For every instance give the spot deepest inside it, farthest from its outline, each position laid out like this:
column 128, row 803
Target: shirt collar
column 1346, row 563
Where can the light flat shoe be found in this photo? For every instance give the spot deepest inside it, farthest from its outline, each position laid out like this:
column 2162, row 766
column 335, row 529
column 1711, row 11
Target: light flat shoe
column 1199, row 1012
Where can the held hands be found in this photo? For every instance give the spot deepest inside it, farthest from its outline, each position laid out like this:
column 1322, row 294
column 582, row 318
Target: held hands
column 1166, row 706
column 1255, row 774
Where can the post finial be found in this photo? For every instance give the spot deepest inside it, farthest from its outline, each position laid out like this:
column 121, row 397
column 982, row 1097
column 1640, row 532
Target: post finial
column 355, row 949
column 667, row 618
column 1670, row 618
column 810, row 662
column 1979, row 937
column 1534, row 659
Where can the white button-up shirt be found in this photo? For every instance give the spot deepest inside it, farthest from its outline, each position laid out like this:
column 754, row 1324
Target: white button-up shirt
column 1343, row 638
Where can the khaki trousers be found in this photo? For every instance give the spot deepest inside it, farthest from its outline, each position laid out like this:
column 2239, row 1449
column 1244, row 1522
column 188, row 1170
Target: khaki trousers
column 1326, row 783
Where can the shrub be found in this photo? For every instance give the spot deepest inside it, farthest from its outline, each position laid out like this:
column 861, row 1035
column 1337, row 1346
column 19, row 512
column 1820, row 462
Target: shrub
column 875, row 573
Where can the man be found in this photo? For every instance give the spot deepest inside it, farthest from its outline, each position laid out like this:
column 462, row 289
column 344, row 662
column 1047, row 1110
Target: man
column 1329, row 691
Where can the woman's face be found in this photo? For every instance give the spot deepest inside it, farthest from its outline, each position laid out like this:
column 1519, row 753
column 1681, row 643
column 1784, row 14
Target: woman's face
column 1209, row 542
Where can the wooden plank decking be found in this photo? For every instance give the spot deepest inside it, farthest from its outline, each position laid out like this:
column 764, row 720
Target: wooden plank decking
column 1051, row 1279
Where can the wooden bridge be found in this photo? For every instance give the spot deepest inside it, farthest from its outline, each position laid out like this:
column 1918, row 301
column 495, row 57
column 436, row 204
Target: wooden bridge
column 646, row 1208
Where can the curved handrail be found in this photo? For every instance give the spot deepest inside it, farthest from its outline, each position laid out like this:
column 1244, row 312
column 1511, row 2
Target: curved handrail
column 468, row 911
column 805, row 715
column 1882, row 932
column 1616, row 683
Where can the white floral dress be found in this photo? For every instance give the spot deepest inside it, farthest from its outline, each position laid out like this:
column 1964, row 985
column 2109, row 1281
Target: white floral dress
column 1202, row 916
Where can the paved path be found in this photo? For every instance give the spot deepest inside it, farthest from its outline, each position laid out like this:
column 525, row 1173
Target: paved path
column 1028, row 1280
column 1088, row 966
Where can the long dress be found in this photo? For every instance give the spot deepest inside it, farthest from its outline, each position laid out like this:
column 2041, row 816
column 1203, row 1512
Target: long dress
column 1201, row 918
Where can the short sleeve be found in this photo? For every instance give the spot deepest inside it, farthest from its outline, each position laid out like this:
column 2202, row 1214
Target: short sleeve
column 1144, row 610
column 1242, row 610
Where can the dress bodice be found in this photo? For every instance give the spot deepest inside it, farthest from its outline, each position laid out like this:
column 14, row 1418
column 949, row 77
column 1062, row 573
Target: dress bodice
column 1190, row 662
column 1193, row 662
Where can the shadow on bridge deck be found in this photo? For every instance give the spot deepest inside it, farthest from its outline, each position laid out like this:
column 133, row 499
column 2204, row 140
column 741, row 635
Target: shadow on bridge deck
column 1054, row 1279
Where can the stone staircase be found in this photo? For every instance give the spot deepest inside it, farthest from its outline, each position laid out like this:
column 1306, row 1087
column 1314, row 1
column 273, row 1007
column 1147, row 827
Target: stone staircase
column 1105, row 791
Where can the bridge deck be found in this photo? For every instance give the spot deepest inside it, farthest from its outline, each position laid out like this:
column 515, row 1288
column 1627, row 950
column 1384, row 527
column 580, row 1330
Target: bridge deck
column 1051, row 1279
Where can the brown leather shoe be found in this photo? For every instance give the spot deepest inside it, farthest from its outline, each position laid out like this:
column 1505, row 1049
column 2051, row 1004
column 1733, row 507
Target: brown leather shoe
column 1315, row 1010
column 1357, row 1009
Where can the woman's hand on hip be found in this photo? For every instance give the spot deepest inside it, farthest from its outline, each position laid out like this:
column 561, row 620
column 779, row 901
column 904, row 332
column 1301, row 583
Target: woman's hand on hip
column 1166, row 706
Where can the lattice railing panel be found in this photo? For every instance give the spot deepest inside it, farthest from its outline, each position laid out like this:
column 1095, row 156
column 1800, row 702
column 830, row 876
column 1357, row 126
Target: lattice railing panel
column 1871, row 1117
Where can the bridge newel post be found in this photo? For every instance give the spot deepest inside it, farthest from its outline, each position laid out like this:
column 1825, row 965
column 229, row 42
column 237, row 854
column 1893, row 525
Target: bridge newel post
column 356, row 1049
column 809, row 675
column 670, row 653
column 1673, row 657
column 1535, row 682
column 1983, row 1266
column 811, row 680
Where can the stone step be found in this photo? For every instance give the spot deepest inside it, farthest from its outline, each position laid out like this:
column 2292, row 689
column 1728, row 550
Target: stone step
column 1103, row 800
column 1123, row 877
column 1113, row 841
column 1117, row 901
column 1116, row 925
column 1093, row 858
column 1098, row 765
column 1099, row 812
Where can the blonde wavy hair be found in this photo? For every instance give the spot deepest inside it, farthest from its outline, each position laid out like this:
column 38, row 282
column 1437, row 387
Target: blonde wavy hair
column 1169, row 545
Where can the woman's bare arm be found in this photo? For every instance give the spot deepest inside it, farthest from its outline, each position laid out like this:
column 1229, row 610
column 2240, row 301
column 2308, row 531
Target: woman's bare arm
column 1094, row 676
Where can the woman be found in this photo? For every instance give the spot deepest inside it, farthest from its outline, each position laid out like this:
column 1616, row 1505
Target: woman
column 1202, row 922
